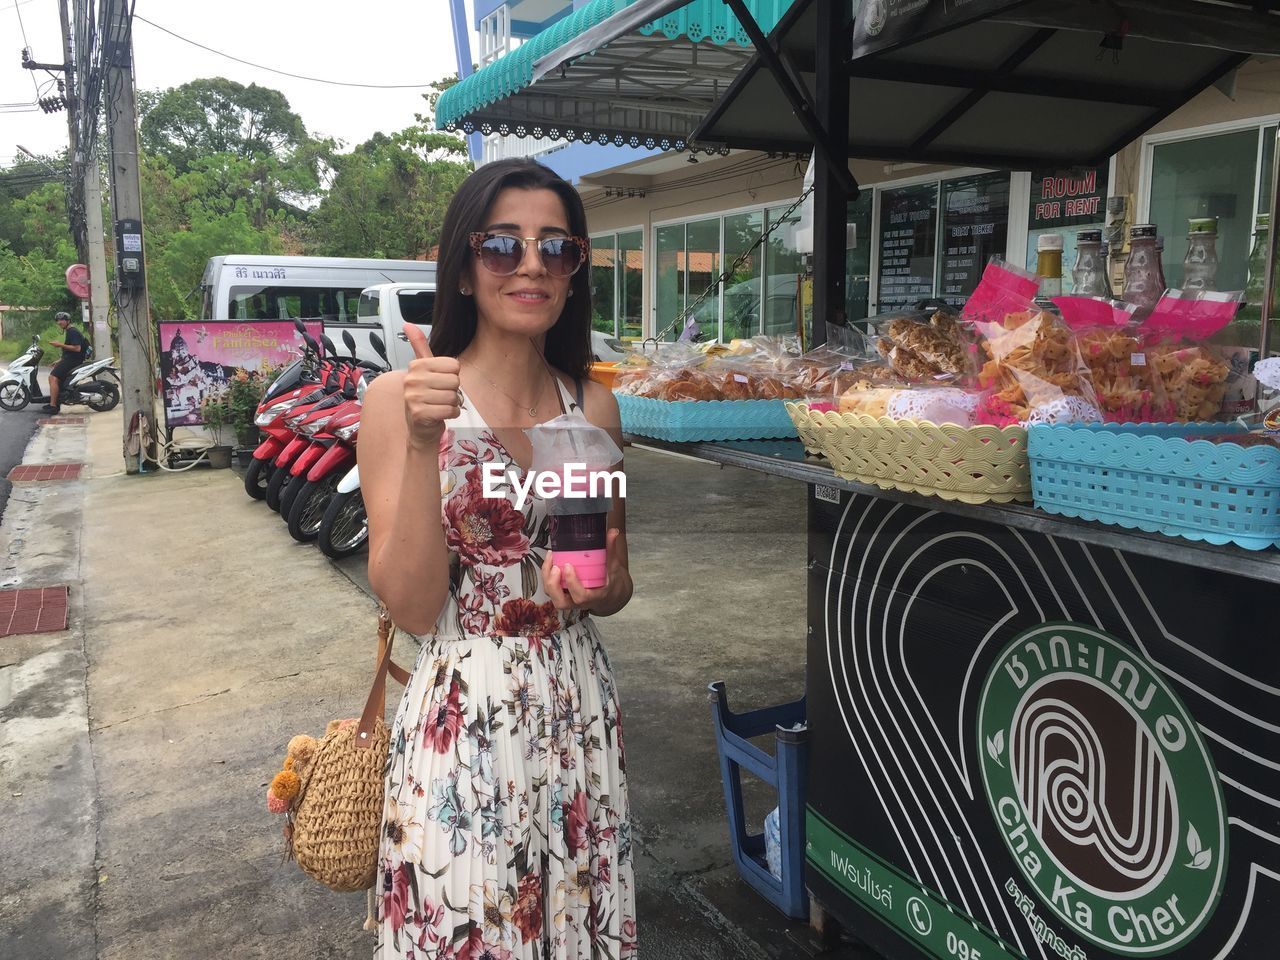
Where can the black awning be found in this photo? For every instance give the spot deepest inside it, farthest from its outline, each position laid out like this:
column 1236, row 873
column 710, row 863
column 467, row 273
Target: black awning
column 998, row 82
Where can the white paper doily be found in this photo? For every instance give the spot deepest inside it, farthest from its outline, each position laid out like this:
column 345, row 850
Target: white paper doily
column 1065, row 410
column 1268, row 372
column 935, row 404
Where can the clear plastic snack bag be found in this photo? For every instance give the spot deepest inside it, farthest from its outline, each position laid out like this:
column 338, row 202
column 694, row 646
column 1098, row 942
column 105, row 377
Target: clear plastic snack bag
column 1196, row 375
column 1034, row 373
column 1111, row 343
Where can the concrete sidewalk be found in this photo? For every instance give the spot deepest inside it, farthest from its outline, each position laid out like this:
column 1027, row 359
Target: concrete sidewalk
column 135, row 748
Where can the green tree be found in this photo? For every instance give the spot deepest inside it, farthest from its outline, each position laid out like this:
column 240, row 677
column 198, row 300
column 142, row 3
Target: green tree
column 247, row 135
column 33, row 271
column 389, row 195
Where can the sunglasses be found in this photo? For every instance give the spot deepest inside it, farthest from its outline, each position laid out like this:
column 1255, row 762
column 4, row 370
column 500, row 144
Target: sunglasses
column 502, row 255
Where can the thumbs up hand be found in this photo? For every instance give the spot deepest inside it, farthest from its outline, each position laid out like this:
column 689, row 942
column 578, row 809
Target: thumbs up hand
column 431, row 391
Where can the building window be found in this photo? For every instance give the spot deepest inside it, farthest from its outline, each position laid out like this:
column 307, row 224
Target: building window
column 908, row 245
column 617, row 283
column 936, row 238
column 1225, row 176
column 1065, row 202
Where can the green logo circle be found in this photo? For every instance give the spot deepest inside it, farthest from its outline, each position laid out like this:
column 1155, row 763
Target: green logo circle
column 1102, row 789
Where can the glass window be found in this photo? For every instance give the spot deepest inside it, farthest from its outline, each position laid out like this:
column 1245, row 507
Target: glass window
column 784, row 265
column 670, row 284
column 1066, row 202
column 331, row 304
column 1207, row 177
column 604, row 273
column 1264, row 172
column 857, row 261
column 631, row 284
column 702, row 266
column 975, row 227
column 416, row 306
column 742, row 316
column 368, row 306
column 908, row 245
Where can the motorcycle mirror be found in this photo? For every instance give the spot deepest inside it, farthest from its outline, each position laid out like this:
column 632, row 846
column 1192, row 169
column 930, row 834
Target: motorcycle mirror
column 300, row 327
column 328, row 345
column 350, row 341
column 379, row 347
column 315, row 347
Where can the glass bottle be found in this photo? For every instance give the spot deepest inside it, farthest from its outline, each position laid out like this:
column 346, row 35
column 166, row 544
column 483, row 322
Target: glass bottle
column 1049, row 267
column 1144, row 282
column 1089, row 275
column 1200, row 266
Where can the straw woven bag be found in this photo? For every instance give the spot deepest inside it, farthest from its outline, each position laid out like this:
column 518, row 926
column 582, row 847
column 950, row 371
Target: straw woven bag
column 337, row 816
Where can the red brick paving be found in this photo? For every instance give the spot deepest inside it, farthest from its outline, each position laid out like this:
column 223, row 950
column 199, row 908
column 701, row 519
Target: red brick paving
column 57, row 421
column 28, row 472
column 38, row 610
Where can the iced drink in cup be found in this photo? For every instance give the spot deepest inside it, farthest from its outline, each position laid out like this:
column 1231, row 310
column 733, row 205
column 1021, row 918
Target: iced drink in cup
column 578, row 529
column 574, row 449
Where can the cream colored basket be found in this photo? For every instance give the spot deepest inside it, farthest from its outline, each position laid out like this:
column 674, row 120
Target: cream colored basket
column 970, row 464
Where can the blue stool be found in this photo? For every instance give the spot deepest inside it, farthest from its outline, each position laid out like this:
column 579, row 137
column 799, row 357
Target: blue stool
column 785, row 770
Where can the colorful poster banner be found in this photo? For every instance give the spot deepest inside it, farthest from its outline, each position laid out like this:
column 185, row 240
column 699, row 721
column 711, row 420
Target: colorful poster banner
column 199, row 359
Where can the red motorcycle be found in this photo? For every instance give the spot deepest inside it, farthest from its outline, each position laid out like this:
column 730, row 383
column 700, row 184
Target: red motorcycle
column 332, row 453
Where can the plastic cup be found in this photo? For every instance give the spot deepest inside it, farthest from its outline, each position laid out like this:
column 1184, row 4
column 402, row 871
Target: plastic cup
column 579, row 539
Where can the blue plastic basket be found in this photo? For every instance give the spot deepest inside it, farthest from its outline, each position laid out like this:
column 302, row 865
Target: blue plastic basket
column 689, row 421
column 1160, row 478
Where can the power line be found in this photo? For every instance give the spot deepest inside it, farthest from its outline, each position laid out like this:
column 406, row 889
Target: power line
column 26, row 45
column 285, row 73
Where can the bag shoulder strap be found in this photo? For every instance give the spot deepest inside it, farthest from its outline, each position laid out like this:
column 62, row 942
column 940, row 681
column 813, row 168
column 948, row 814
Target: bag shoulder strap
column 376, row 705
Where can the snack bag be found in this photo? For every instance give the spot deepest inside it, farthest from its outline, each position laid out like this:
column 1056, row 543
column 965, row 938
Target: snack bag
column 1127, row 387
column 1034, row 373
column 1003, row 290
column 1194, row 373
column 925, row 347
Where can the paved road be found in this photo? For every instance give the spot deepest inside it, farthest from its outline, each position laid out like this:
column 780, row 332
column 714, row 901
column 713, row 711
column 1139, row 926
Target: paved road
column 15, row 431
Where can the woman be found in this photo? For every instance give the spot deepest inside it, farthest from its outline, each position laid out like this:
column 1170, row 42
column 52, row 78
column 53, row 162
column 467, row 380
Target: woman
column 507, row 831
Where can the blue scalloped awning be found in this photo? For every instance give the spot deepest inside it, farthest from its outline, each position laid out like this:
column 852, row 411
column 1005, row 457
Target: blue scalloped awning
column 627, row 72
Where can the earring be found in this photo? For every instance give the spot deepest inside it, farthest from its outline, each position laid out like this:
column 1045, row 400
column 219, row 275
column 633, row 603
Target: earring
column 571, row 291
column 465, row 291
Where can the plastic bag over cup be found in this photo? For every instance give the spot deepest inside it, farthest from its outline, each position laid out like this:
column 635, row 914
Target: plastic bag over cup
column 569, row 441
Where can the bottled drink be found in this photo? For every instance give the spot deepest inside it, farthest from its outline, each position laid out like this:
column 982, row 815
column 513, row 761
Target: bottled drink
column 1200, row 266
column 1144, row 282
column 1049, row 265
column 1089, row 276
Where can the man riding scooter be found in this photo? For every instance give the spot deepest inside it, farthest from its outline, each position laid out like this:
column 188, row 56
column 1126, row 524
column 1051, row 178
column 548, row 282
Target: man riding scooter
column 75, row 348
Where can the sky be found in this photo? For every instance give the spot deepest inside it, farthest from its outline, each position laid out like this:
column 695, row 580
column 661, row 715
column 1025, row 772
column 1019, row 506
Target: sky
column 376, row 41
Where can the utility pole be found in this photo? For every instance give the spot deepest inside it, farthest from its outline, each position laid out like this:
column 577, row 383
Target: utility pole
column 98, row 304
column 86, row 180
column 136, row 366
column 73, row 152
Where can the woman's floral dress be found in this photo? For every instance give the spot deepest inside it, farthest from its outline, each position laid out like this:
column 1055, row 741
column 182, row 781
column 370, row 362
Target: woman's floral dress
column 507, row 831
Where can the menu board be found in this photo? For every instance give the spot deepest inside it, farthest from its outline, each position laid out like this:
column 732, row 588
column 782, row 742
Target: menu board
column 975, row 228
column 908, row 245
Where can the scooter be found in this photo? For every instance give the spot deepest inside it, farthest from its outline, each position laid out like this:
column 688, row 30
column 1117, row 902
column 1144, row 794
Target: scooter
column 303, row 383
column 332, row 454
column 88, row 384
column 19, row 384
column 344, row 529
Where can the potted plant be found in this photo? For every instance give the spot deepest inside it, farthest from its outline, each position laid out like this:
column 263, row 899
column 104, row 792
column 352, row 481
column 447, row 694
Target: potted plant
column 216, row 413
column 244, row 393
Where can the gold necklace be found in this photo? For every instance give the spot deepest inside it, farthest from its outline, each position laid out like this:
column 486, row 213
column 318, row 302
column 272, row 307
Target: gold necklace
column 533, row 408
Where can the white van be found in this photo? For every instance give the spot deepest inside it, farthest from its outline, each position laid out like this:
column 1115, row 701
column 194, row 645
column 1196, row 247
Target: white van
column 244, row 287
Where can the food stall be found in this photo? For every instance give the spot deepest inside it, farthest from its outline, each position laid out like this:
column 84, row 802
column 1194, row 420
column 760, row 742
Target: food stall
column 1043, row 674
column 1029, row 735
